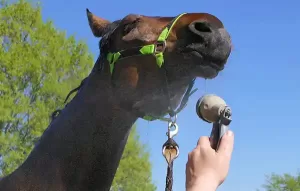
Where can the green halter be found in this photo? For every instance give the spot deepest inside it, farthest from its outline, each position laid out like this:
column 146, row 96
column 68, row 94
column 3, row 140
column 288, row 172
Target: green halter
column 157, row 49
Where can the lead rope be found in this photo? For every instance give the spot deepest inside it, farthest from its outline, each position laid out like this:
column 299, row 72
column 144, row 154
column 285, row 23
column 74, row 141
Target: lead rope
column 170, row 148
column 170, row 151
column 169, row 178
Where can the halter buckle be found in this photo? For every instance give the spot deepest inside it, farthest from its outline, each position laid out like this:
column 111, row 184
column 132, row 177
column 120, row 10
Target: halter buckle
column 160, row 47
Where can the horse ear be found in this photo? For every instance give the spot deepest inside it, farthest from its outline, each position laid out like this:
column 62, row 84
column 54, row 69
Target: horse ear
column 97, row 24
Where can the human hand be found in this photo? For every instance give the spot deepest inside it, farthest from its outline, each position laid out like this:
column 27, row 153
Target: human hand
column 207, row 169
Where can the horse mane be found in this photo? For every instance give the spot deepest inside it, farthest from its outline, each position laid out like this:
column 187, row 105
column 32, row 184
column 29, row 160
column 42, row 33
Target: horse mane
column 109, row 30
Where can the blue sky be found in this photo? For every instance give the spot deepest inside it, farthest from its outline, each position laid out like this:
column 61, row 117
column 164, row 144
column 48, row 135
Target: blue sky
column 260, row 83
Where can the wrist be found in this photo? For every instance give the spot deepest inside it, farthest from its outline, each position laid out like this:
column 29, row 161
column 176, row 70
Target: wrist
column 204, row 183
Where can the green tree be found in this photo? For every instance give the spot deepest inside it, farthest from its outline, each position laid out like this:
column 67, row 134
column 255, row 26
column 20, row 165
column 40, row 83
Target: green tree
column 285, row 182
column 39, row 66
column 134, row 172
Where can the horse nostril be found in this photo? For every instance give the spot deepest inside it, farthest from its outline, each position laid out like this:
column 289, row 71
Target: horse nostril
column 202, row 27
column 201, row 30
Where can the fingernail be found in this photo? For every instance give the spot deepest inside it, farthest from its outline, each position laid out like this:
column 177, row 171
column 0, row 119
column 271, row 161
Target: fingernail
column 229, row 133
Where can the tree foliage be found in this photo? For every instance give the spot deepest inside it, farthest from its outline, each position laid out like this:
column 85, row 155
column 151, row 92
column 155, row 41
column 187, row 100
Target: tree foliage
column 134, row 172
column 39, row 65
column 285, row 182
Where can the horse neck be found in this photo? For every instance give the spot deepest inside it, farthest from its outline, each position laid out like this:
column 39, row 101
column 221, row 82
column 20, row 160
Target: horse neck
column 83, row 146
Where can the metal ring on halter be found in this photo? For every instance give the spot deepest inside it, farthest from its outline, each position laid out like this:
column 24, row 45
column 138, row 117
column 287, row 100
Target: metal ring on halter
column 172, row 133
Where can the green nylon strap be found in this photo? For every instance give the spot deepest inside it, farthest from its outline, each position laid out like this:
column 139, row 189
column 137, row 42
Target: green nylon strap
column 112, row 58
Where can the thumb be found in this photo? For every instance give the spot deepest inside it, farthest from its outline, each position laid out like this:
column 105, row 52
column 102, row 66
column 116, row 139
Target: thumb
column 226, row 144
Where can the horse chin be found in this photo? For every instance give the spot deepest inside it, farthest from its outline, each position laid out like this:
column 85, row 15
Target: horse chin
column 205, row 71
column 156, row 106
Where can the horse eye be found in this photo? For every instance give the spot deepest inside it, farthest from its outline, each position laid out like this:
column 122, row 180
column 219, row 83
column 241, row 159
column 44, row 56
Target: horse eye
column 129, row 26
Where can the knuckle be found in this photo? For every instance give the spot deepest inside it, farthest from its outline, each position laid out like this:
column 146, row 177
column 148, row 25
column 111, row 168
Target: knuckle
column 202, row 141
column 192, row 154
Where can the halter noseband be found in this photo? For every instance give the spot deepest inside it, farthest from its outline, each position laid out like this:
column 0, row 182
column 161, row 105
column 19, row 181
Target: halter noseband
column 156, row 49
